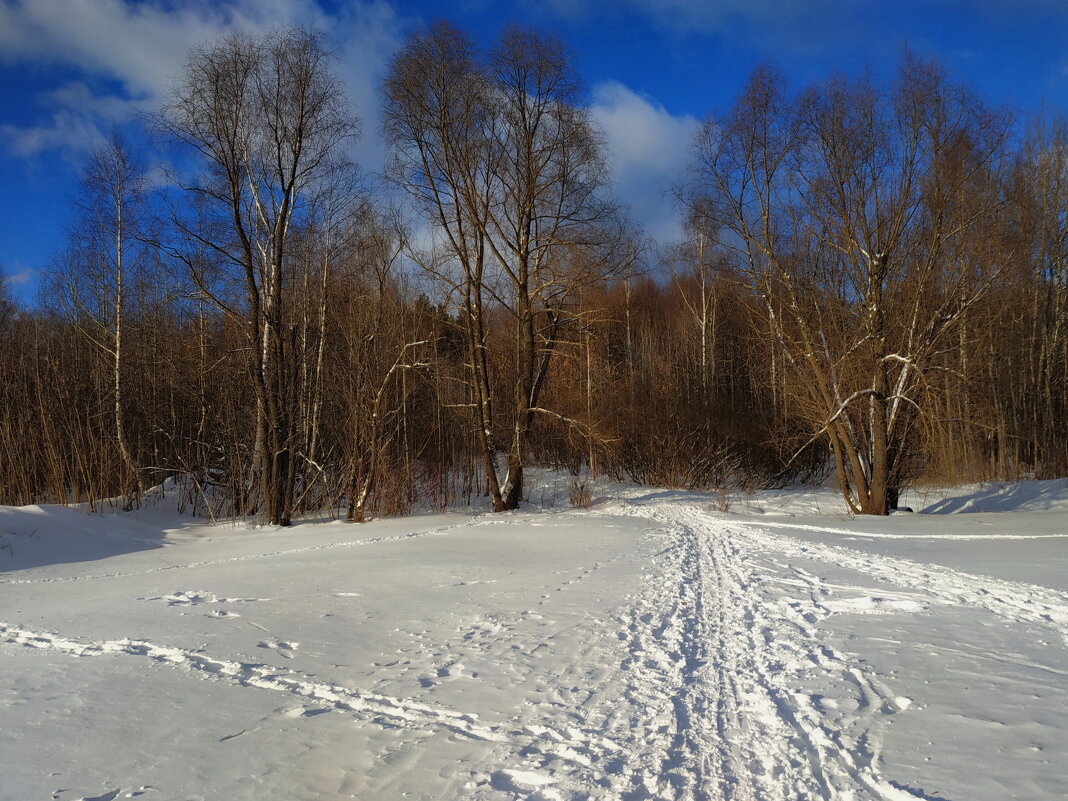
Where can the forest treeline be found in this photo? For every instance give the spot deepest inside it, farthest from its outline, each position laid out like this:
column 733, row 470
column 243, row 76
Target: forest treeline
column 874, row 286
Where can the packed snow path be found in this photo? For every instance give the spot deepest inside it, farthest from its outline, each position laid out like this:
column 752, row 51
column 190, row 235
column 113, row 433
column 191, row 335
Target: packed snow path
column 646, row 649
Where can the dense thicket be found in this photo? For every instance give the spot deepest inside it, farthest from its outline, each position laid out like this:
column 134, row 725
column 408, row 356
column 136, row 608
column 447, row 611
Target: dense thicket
column 875, row 288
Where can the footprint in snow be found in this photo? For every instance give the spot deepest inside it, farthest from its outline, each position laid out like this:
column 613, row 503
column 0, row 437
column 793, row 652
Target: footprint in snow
column 304, row 712
column 184, row 598
column 110, row 795
column 221, row 613
column 523, row 781
column 449, row 672
column 196, row 597
column 284, row 648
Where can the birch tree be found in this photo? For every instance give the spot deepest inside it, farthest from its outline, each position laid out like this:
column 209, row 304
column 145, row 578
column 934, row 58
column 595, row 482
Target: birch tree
column 435, row 117
column 267, row 118
column 102, row 262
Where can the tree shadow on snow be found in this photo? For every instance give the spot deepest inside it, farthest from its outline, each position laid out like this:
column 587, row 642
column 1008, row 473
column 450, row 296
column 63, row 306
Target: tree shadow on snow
column 1031, row 496
column 36, row 536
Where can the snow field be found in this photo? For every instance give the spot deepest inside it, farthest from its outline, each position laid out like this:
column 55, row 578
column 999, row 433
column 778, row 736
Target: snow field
column 647, row 648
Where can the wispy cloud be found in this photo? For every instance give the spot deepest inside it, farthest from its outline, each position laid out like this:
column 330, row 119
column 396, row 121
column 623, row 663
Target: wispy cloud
column 22, row 277
column 75, row 121
column 142, row 47
column 70, row 132
column 139, row 44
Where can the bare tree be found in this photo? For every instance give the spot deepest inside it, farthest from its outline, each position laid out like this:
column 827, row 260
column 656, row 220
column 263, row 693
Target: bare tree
column 381, row 355
column 104, row 257
column 856, row 213
column 503, row 159
column 435, row 116
column 1042, row 205
column 698, row 269
column 7, row 305
column 551, row 230
column 267, row 117
column 335, row 226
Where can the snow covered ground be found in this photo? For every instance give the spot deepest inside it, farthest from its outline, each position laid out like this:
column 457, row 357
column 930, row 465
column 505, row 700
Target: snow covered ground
column 651, row 647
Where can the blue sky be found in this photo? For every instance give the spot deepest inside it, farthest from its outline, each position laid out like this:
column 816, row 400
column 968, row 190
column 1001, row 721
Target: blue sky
column 73, row 69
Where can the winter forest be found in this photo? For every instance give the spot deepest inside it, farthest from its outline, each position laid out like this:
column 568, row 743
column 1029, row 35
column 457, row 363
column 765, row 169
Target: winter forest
column 873, row 290
column 572, row 401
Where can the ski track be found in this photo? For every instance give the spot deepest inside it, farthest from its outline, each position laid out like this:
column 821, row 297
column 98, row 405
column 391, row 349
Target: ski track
column 730, row 641
column 853, row 533
column 686, row 692
column 1018, row 602
column 725, row 654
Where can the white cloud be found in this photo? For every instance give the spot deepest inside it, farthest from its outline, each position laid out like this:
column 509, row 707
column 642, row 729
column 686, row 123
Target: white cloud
column 648, row 150
column 75, row 122
column 143, row 45
column 64, row 130
column 367, row 36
